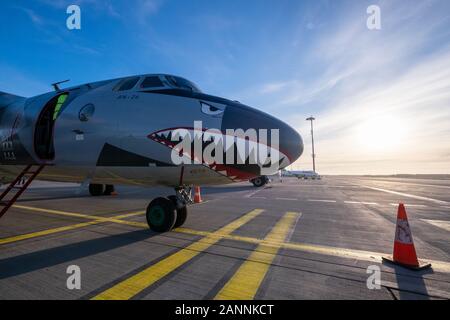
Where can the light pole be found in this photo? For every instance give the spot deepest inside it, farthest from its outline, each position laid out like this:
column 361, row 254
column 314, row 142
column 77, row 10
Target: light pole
column 312, row 138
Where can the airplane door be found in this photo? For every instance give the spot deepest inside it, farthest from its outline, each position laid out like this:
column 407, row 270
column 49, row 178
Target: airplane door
column 83, row 128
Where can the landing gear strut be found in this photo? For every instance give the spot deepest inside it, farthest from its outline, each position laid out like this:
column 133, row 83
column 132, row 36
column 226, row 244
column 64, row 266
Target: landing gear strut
column 164, row 214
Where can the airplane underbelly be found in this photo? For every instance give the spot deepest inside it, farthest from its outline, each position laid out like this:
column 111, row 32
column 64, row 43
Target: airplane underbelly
column 137, row 176
column 167, row 176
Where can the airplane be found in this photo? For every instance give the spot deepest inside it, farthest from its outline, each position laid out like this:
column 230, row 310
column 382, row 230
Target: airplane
column 117, row 132
column 308, row 174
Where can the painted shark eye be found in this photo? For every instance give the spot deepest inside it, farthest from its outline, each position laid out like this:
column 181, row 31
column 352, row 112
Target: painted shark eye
column 211, row 110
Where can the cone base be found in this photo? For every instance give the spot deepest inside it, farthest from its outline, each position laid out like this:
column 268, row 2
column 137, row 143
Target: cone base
column 198, row 199
column 421, row 266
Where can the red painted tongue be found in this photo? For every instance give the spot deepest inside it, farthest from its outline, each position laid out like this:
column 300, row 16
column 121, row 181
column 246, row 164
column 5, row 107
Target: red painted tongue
column 223, row 169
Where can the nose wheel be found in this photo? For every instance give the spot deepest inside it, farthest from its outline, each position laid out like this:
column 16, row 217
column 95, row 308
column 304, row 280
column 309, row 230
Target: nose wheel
column 181, row 212
column 161, row 215
column 165, row 214
column 259, row 181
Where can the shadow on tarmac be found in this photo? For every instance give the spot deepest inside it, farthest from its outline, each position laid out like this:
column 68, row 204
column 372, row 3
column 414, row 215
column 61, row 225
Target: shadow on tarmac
column 33, row 261
column 411, row 284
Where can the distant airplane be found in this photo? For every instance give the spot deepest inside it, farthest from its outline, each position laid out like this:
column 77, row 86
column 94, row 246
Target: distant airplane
column 118, row 132
column 301, row 174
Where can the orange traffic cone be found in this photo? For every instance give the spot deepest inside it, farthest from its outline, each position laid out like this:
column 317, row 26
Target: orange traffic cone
column 404, row 250
column 197, row 196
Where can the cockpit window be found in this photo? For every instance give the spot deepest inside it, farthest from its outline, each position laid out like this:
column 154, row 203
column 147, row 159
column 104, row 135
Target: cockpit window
column 152, row 82
column 127, row 84
column 182, row 83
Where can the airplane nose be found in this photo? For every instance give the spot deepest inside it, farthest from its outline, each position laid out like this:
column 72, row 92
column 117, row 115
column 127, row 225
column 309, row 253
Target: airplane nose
column 243, row 117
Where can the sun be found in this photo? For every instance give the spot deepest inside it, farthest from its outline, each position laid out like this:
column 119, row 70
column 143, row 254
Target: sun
column 382, row 133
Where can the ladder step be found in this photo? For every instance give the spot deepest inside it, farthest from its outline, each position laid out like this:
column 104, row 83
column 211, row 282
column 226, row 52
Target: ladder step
column 26, row 176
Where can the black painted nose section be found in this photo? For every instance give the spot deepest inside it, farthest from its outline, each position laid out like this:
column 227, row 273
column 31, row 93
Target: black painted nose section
column 243, row 117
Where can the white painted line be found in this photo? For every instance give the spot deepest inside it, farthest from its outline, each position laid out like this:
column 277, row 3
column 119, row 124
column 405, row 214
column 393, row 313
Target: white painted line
column 413, row 184
column 320, row 200
column 439, row 223
column 410, row 205
column 251, row 194
column 258, row 197
column 348, row 186
column 361, row 202
column 408, row 195
column 289, row 199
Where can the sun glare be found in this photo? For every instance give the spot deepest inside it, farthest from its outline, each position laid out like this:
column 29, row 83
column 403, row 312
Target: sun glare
column 382, row 133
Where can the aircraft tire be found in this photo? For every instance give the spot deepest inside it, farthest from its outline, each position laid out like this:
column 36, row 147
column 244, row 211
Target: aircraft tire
column 109, row 188
column 181, row 213
column 161, row 215
column 96, row 189
column 259, row 182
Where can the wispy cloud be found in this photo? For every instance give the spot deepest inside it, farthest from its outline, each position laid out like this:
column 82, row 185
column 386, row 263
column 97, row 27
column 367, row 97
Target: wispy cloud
column 34, row 17
column 381, row 98
column 275, row 87
column 145, row 9
column 54, row 32
column 106, row 7
column 395, row 82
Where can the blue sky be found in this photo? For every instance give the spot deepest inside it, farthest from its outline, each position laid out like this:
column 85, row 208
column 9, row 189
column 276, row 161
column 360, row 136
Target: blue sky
column 381, row 98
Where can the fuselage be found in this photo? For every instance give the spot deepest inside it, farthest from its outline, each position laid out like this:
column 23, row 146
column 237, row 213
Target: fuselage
column 114, row 131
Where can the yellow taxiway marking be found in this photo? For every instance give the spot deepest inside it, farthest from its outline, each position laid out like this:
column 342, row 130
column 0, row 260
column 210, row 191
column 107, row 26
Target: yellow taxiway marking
column 439, row 223
column 45, row 232
column 246, row 281
column 86, row 216
column 362, row 255
column 440, row 266
column 135, row 284
column 97, row 220
column 67, row 213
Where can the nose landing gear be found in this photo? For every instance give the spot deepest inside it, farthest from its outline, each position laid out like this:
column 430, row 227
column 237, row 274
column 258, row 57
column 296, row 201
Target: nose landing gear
column 259, row 181
column 165, row 214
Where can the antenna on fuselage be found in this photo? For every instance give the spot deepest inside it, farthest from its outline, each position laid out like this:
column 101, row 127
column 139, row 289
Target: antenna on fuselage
column 56, row 84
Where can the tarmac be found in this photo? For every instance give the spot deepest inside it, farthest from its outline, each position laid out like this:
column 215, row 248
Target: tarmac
column 293, row 239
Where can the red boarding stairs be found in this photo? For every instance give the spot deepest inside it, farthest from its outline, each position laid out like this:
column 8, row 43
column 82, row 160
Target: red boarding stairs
column 18, row 186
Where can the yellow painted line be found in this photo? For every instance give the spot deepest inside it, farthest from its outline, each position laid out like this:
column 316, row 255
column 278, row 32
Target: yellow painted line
column 246, row 281
column 97, row 220
column 440, row 266
column 135, row 284
column 45, row 232
column 60, row 212
column 439, row 223
column 85, row 216
column 44, row 174
column 376, row 257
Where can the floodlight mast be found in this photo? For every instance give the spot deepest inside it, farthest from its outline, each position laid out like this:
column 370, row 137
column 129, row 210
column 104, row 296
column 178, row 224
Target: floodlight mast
column 312, row 139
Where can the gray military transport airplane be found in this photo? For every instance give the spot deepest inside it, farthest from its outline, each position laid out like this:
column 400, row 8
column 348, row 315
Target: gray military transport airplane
column 118, row 132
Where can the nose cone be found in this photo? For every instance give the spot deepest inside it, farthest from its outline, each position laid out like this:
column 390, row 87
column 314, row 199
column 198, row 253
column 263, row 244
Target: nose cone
column 243, row 117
